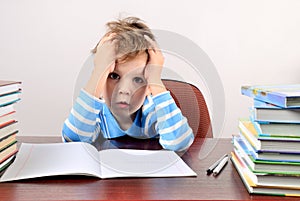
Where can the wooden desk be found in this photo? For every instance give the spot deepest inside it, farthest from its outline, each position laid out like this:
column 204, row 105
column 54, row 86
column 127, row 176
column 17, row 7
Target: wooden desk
column 226, row 186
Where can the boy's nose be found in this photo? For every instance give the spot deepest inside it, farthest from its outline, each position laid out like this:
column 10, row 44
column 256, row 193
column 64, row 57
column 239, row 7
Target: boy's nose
column 124, row 91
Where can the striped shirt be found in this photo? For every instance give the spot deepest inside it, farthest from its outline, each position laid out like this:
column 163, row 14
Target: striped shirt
column 159, row 117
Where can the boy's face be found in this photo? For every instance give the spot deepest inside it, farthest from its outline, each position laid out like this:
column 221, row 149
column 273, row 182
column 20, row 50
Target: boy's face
column 127, row 87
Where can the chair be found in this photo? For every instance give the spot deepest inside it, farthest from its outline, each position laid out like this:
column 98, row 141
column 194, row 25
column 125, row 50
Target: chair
column 193, row 106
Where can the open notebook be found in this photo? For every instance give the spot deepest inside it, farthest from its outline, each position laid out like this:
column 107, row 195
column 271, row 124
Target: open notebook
column 79, row 158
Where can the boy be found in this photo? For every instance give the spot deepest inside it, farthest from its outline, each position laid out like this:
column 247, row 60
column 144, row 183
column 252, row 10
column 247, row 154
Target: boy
column 125, row 94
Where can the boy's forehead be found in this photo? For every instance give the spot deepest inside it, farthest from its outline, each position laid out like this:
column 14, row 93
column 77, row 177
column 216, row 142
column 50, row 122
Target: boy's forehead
column 136, row 64
column 130, row 69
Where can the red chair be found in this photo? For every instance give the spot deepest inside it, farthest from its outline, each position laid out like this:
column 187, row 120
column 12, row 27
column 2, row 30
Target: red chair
column 193, row 106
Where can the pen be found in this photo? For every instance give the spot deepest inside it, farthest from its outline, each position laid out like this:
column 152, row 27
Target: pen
column 220, row 166
column 213, row 166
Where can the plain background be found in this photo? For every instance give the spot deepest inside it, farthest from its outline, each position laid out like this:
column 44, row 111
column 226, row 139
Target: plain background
column 44, row 44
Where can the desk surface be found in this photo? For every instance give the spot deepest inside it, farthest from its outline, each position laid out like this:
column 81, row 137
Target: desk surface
column 226, row 186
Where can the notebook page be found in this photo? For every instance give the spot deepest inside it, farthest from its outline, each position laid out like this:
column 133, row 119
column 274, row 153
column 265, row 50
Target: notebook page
column 39, row 160
column 142, row 163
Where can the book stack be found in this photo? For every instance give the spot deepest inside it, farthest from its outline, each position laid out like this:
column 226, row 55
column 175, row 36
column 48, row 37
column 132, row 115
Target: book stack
column 9, row 95
column 266, row 152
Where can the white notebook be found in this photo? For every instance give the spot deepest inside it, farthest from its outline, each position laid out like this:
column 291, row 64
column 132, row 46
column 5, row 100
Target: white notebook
column 79, row 158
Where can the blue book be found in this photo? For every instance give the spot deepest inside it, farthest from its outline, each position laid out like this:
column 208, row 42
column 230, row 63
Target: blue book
column 278, row 130
column 265, row 105
column 264, row 112
column 285, row 96
column 10, row 98
column 267, row 143
column 265, row 166
column 241, row 141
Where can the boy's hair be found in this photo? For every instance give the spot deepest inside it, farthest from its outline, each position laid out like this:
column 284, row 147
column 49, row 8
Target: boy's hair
column 130, row 38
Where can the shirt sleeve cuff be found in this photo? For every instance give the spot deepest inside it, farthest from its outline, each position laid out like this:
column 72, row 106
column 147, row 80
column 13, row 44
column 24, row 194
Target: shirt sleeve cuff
column 90, row 99
column 161, row 97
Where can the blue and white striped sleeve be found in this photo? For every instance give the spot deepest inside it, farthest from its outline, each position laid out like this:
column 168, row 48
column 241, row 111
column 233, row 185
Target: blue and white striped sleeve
column 83, row 121
column 173, row 129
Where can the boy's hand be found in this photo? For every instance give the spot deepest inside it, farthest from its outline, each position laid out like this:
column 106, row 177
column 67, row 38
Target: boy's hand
column 105, row 56
column 154, row 67
column 104, row 63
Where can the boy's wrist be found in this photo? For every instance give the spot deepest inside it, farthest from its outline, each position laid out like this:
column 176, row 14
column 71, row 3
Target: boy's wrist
column 156, row 87
column 95, row 85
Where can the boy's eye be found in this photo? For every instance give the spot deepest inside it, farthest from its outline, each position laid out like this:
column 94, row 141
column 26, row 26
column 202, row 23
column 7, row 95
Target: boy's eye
column 138, row 80
column 114, row 76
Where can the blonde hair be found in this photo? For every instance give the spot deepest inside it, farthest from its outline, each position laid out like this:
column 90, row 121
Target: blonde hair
column 130, row 38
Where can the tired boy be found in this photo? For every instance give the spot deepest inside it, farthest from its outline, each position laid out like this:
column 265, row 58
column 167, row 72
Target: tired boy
column 125, row 94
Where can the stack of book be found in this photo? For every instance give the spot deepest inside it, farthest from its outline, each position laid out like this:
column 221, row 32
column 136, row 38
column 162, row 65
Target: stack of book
column 9, row 95
column 266, row 152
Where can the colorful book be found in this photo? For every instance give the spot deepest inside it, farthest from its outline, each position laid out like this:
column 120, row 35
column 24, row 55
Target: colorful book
column 273, row 129
column 262, row 104
column 7, row 141
column 10, row 98
column 286, row 96
column 275, row 115
column 7, row 87
column 8, row 152
column 266, row 166
column 267, row 143
column 9, row 129
column 6, row 109
column 10, row 92
column 7, row 119
column 266, row 112
column 266, row 155
column 6, row 163
column 264, row 185
column 268, row 179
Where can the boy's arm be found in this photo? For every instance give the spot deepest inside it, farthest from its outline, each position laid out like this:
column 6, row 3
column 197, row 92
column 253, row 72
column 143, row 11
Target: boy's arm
column 83, row 123
column 154, row 68
column 171, row 126
column 166, row 118
column 104, row 63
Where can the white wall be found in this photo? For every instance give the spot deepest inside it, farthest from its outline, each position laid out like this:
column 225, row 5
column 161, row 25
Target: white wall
column 44, row 44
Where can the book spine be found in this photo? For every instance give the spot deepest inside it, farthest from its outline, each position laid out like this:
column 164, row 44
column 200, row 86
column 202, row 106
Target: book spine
column 9, row 94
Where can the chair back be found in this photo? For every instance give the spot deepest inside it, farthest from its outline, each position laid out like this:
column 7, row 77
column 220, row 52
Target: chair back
column 193, row 106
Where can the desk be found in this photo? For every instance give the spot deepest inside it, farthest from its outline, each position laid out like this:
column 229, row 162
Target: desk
column 226, row 186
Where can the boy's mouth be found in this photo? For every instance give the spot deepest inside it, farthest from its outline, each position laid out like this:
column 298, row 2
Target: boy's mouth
column 122, row 104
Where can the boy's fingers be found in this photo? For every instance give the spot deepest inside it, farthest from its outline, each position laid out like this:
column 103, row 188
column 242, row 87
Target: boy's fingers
column 149, row 40
column 153, row 44
column 107, row 38
column 151, row 51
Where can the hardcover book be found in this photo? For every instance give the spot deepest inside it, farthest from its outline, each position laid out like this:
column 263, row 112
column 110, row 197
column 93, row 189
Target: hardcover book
column 7, row 119
column 8, row 152
column 275, row 115
column 9, row 98
column 274, row 129
column 266, row 155
column 9, row 129
column 286, row 96
column 7, row 87
column 265, row 143
column 266, row 166
column 286, row 186
column 6, row 109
